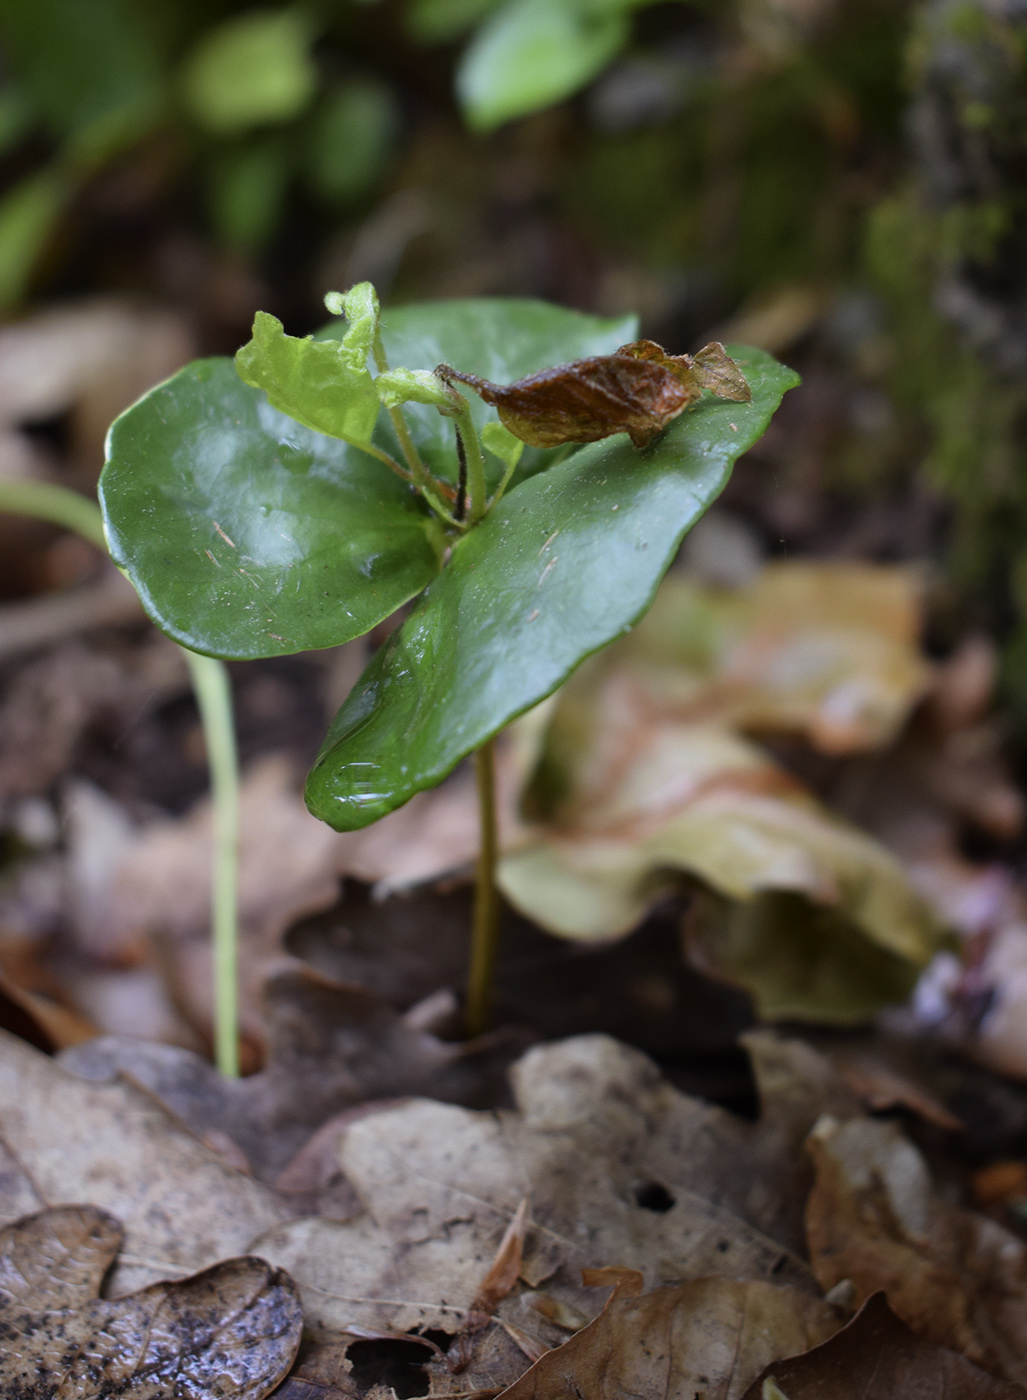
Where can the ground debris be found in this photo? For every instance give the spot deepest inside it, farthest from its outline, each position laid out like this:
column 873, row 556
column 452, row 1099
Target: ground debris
column 228, row 1333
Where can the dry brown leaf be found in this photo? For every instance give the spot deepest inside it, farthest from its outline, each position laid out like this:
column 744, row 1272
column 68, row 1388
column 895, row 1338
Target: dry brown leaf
column 708, row 1337
column 637, row 390
column 617, row 1165
column 876, row 1357
column 116, row 1147
column 956, row 1278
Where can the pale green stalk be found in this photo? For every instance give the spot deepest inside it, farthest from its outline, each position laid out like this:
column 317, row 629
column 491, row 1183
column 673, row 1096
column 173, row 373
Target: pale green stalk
column 214, row 697
column 46, row 501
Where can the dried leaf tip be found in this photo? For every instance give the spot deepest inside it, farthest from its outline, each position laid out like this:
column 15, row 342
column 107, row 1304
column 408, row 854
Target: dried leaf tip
column 637, row 390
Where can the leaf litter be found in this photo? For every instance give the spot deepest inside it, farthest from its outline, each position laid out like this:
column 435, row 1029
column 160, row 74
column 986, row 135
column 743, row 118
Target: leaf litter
column 228, row 1333
column 406, row 1200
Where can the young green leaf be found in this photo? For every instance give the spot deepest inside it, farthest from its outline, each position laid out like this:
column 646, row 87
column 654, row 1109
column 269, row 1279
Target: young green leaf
column 323, row 384
column 557, row 569
column 398, row 386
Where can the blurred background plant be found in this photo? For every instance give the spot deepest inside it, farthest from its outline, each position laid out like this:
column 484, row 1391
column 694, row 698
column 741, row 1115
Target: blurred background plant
column 840, row 183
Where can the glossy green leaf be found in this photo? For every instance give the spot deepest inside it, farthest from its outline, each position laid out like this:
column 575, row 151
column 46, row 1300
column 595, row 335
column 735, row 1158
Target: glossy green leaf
column 313, row 381
column 563, row 564
column 532, row 53
column 247, row 534
column 254, row 69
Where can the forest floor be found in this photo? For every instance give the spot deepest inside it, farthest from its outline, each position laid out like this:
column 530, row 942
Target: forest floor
column 712, row 1115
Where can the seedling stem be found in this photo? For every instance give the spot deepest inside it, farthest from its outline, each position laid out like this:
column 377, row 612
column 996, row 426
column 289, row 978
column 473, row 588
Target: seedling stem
column 485, row 930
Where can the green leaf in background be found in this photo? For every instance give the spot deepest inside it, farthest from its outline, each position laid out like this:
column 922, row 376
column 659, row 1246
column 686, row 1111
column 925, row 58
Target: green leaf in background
column 28, row 213
column 87, row 65
column 350, row 141
column 312, row 381
column 501, row 339
column 532, row 53
column 438, row 21
column 563, row 564
column 253, row 70
column 247, row 534
column 247, row 185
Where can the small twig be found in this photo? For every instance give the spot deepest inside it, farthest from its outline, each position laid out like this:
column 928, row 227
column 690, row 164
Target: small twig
column 495, row 1286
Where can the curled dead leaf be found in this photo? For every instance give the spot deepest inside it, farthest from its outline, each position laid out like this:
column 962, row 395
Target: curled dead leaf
column 638, row 391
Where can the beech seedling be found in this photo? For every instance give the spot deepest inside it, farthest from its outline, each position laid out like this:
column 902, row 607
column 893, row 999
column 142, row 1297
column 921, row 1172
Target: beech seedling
column 297, row 497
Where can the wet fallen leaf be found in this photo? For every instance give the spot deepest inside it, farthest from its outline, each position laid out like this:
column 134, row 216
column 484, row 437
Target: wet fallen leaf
column 708, row 1337
column 116, row 1147
column 617, row 1165
column 956, row 1278
column 638, row 391
column 876, row 1357
column 228, row 1333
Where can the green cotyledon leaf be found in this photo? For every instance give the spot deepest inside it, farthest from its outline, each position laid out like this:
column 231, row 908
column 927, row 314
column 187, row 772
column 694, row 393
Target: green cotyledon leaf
column 248, row 534
column 562, row 565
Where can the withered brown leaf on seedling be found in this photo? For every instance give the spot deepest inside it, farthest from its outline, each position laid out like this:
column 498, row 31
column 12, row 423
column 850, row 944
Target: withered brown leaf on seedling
column 710, row 368
column 638, row 391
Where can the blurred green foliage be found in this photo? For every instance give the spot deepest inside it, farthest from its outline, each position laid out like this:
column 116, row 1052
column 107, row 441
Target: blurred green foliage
column 842, row 183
